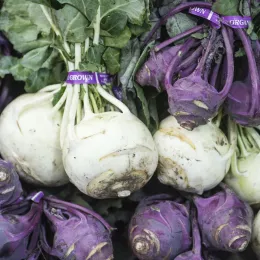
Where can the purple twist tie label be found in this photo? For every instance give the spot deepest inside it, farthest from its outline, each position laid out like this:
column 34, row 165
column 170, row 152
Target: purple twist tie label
column 236, row 22
column 207, row 14
column 37, row 197
column 85, row 77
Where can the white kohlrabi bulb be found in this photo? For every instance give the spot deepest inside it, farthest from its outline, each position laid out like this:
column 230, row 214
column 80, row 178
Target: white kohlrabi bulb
column 192, row 161
column 29, row 138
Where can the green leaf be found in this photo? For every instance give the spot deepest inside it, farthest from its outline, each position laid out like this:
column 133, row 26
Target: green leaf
column 73, row 24
column 180, row 23
column 144, row 112
column 87, row 7
column 114, row 24
column 200, row 36
column 135, row 10
column 58, row 96
column 120, row 41
column 225, row 7
column 95, row 53
column 48, row 3
column 111, row 58
column 154, row 123
column 36, row 58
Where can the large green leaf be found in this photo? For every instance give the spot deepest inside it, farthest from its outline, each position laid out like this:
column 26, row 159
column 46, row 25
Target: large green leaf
column 87, row 7
column 73, row 24
column 224, row 7
column 120, row 41
column 111, row 58
column 35, row 59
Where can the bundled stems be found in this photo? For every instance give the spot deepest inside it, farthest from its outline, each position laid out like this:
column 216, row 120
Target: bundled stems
column 252, row 68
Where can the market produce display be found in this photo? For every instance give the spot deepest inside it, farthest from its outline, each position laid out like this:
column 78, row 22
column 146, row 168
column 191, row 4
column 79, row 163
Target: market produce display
column 129, row 129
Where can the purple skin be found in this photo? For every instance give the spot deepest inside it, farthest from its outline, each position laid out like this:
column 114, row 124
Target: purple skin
column 117, row 91
column 90, row 238
column 192, row 100
column 10, row 186
column 5, row 46
column 153, row 71
column 195, row 253
column 242, row 103
column 225, row 221
column 159, row 229
column 19, row 230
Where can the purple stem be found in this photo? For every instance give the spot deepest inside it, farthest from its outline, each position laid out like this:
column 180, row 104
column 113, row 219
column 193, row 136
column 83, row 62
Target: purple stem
column 230, row 64
column 198, row 71
column 85, row 210
column 186, row 72
column 178, row 37
column 172, row 12
column 191, row 59
column 176, row 61
column 252, row 67
column 214, row 76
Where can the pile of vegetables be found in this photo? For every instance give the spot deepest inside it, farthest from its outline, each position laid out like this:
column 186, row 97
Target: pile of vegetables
column 129, row 129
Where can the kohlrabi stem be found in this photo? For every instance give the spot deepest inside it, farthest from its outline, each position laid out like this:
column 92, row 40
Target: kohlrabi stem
column 219, row 118
column 93, row 103
column 86, row 102
column 254, row 134
column 241, row 145
column 50, row 20
column 172, row 12
column 50, row 88
column 114, row 101
column 201, row 66
column 189, row 44
column 97, row 26
column 178, row 37
column 82, row 209
column 215, row 72
column 65, row 117
column 252, row 68
column 86, row 45
column 191, row 59
column 230, row 64
column 60, row 103
column 245, row 140
column 79, row 112
column 77, row 55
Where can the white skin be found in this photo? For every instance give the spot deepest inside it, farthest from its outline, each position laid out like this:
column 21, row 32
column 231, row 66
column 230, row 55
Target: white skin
column 109, row 154
column 29, row 138
column 193, row 161
column 256, row 235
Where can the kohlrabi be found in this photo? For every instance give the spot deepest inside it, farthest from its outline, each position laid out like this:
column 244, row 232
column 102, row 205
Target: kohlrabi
column 192, row 161
column 79, row 233
column 256, row 235
column 243, row 175
column 10, row 187
column 225, row 221
column 19, row 230
column 192, row 99
column 242, row 103
column 160, row 228
column 29, row 138
column 195, row 253
column 105, row 154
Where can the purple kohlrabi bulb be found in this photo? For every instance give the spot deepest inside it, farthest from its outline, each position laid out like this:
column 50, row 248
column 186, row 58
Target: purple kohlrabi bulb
column 10, row 186
column 19, row 230
column 152, row 73
column 225, row 221
column 159, row 229
column 79, row 233
column 195, row 253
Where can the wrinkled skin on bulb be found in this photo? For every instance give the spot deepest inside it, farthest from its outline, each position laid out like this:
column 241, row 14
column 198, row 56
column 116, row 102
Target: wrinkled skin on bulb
column 159, row 229
column 225, row 221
